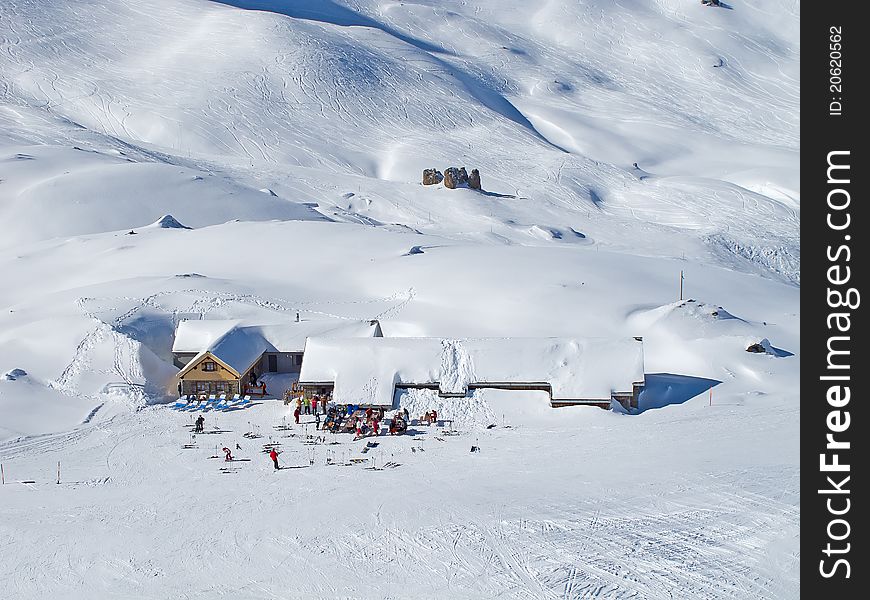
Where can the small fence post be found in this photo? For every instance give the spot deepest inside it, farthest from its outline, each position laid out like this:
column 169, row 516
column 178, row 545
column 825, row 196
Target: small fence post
column 58, row 472
column 2, row 474
column 711, row 396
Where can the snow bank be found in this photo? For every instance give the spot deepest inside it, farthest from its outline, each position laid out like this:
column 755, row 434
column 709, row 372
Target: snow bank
column 468, row 412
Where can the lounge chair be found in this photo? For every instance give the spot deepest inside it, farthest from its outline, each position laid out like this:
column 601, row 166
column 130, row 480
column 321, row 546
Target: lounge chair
column 180, row 403
column 191, row 406
column 222, row 403
column 212, row 400
column 198, row 405
column 231, row 403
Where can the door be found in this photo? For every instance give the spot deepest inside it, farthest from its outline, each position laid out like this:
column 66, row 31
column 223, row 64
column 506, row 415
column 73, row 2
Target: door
column 273, row 363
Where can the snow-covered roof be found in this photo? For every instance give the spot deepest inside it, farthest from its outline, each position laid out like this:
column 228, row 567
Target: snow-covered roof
column 366, row 371
column 238, row 345
column 196, row 336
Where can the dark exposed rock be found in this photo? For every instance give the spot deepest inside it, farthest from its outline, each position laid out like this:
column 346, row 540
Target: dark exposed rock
column 432, row 176
column 761, row 347
column 451, row 175
column 455, row 177
column 474, row 180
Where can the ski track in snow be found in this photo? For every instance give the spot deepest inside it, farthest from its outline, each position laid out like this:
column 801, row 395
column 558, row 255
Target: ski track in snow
column 335, row 107
column 283, row 100
column 704, row 540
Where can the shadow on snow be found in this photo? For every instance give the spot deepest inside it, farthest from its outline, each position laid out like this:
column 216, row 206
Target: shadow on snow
column 327, row 11
column 664, row 389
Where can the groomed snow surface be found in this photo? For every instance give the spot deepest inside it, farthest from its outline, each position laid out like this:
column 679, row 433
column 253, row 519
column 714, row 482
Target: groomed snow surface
column 582, row 504
column 243, row 161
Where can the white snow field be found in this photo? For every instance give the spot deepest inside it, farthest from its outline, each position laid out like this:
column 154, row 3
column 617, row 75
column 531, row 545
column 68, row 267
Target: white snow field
column 254, row 159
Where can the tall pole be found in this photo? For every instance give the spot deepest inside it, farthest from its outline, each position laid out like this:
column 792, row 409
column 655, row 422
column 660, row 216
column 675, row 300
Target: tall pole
column 681, row 285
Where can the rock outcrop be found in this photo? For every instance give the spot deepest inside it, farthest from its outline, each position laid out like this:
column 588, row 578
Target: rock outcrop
column 455, row 177
column 474, row 180
column 432, row 176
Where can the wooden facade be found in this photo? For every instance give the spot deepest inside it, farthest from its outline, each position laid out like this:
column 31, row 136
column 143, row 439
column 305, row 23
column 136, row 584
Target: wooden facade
column 209, row 375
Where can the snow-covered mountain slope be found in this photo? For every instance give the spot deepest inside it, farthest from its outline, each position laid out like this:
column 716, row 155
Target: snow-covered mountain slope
column 316, row 100
column 251, row 159
column 57, row 192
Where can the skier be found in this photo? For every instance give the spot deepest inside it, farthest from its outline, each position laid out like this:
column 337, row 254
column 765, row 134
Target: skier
column 316, row 421
column 296, row 415
column 376, row 427
column 314, row 404
column 359, row 427
column 228, row 455
column 407, row 415
column 274, row 456
column 307, row 404
column 434, row 416
column 200, row 421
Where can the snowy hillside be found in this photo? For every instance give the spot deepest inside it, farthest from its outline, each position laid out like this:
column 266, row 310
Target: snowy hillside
column 316, row 100
column 255, row 159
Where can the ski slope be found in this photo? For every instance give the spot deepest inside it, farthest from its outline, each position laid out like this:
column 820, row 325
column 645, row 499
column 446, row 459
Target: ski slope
column 136, row 515
column 315, row 100
column 251, row 159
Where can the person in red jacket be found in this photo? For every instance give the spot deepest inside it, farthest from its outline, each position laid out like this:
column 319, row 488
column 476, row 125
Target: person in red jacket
column 296, row 415
column 274, row 456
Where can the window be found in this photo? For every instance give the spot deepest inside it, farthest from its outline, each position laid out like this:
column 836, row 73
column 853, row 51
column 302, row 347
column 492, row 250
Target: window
column 298, row 359
column 209, row 366
column 201, row 386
